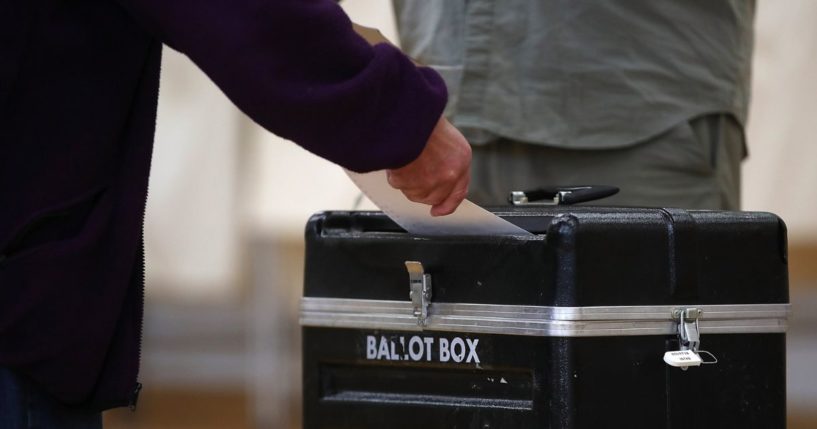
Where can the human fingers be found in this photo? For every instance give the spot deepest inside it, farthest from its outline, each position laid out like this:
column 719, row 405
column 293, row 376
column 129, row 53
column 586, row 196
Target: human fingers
column 408, row 179
column 438, row 172
column 441, row 186
column 454, row 198
column 430, row 196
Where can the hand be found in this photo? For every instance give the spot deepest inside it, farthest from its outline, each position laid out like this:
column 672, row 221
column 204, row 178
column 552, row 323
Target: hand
column 440, row 175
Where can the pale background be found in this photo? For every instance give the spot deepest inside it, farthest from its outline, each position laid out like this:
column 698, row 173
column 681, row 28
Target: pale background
column 228, row 203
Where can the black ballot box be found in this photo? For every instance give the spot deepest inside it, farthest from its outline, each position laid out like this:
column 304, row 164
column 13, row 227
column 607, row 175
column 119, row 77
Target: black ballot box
column 603, row 318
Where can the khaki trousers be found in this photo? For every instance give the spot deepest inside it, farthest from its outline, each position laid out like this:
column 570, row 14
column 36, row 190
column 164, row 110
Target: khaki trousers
column 694, row 165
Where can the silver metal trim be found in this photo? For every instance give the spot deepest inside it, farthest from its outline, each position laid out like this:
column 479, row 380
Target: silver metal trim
column 540, row 320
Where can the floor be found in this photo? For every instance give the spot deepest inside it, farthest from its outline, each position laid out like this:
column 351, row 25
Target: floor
column 181, row 409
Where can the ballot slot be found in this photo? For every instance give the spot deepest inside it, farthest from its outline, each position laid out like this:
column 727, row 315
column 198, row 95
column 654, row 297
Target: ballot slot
column 408, row 384
column 342, row 223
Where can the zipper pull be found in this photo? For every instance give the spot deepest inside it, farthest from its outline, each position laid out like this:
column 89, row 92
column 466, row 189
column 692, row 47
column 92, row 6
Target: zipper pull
column 134, row 396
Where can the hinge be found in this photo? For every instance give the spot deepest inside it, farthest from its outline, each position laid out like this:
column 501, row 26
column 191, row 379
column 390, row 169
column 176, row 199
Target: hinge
column 554, row 196
column 689, row 334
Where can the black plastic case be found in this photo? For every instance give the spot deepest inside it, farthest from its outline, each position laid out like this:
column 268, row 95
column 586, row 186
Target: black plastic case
column 563, row 329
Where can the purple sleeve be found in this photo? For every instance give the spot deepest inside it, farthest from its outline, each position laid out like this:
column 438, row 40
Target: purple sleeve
column 298, row 69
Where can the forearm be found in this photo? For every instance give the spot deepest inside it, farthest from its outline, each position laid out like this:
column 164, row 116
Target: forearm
column 298, row 68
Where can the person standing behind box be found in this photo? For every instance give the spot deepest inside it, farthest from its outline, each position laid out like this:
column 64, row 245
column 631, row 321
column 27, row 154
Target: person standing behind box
column 650, row 96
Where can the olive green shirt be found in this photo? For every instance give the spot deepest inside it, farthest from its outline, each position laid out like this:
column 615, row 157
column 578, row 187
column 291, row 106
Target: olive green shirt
column 582, row 73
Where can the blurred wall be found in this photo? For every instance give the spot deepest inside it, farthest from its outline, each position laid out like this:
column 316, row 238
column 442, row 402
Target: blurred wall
column 191, row 227
column 781, row 173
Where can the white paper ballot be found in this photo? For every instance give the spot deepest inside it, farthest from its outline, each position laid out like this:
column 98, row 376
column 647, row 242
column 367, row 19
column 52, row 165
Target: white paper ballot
column 468, row 219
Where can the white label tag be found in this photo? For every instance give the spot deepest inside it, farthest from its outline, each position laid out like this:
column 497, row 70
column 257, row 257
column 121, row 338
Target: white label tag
column 682, row 358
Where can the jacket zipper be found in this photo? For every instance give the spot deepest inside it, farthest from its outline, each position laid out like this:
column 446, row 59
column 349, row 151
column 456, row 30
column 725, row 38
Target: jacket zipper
column 141, row 310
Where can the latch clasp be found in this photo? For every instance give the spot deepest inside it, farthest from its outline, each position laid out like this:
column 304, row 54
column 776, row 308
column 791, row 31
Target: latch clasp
column 689, row 339
column 419, row 290
column 689, row 333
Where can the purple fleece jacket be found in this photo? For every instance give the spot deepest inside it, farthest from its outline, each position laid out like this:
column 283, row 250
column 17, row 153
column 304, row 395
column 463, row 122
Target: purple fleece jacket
column 78, row 90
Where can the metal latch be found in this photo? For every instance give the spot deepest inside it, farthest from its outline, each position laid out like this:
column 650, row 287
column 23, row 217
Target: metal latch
column 689, row 334
column 689, row 339
column 419, row 290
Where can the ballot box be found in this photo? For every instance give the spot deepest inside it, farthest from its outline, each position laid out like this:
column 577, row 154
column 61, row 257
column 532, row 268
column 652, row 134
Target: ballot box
column 603, row 318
